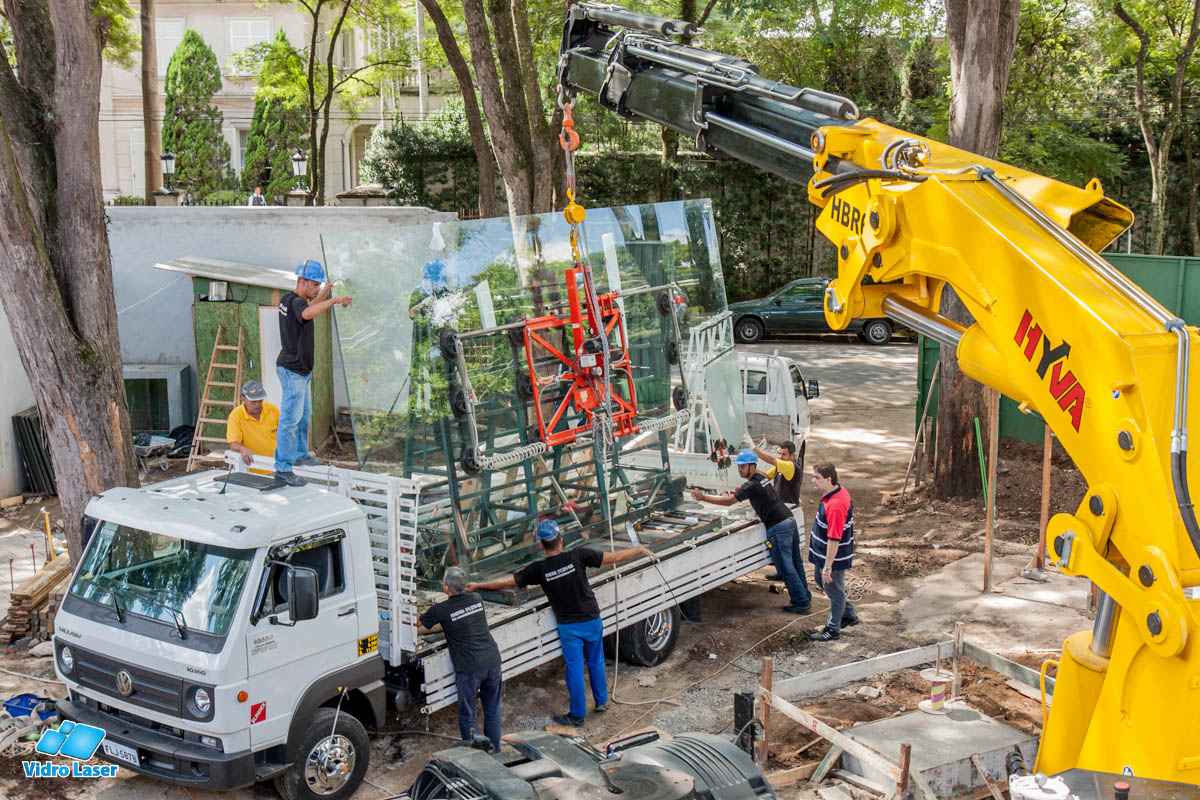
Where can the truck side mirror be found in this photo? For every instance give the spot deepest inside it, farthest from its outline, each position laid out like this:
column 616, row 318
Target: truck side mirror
column 303, row 602
column 814, row 389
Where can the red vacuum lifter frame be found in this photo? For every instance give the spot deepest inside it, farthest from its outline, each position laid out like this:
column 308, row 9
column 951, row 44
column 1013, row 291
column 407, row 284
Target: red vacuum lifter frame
column 582, row 370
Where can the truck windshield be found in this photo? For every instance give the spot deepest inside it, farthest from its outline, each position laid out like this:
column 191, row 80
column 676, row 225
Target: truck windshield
column 163, row 578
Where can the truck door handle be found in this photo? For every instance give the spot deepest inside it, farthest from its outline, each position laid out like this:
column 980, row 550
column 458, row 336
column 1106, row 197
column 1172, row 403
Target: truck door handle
column 347, row 611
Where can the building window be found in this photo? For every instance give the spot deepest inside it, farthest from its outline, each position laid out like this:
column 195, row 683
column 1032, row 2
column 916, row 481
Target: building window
column 244, row 33
column 168, row 33
column 243, row 137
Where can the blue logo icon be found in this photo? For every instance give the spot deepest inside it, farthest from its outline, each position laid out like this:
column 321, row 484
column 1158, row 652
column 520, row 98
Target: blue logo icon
column 73, row 741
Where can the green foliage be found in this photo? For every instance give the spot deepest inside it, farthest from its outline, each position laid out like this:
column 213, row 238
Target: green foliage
column 280, row 125
column 191, row 125
column 122, row 44
column 432, row 164
column 127, row 200
column 224, row 197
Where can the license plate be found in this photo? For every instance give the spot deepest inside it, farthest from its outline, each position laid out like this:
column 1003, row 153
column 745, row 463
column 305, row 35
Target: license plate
column 120, row 752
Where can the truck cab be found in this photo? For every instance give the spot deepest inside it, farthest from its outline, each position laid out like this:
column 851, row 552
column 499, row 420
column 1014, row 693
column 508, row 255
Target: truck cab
column 208, row 622
column 776, row 398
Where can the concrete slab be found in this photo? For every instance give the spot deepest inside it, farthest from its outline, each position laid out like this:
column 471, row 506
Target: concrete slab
column 942, row 747
column 1037, row 615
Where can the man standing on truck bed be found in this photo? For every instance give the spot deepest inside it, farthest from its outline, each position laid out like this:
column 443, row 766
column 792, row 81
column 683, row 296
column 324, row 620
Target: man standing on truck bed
column 473, row 652
column 831, row 550
column 563, row 577
column 783, row 538
column 297, row 310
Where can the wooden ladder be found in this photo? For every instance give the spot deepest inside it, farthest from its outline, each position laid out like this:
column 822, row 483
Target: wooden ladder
column 210, row 401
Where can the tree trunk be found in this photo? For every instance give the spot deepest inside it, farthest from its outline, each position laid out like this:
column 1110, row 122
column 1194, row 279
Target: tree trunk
column 479, row 142
column 150, row 122
column 55, row 262
column 313, row 55
column 542, row 140
column 1193, row 223
column 982, row 35
column 1158, row 150
column 511, row 151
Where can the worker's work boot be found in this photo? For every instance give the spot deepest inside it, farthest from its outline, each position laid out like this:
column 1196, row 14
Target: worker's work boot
column 309, row 461
column 823, row 635
column 567, row 719
column 601, row 708
column 849, row 622
column 291, row 478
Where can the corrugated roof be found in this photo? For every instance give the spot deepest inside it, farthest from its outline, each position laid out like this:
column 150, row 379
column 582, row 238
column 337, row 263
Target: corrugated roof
column 232, row 271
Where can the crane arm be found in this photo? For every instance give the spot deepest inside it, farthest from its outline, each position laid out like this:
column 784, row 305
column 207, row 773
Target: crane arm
column 1055, row 327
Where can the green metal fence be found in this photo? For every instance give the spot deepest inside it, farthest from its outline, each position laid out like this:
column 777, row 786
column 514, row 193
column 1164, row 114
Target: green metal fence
column 1173, row 281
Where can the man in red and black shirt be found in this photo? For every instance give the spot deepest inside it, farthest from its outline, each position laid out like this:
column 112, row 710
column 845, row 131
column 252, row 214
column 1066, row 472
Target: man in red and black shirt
column 831, row 550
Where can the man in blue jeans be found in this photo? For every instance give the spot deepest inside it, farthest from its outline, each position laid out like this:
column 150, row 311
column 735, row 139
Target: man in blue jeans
column 473, row 652
column 297, row 310
column 563, row 577
column 783, row 537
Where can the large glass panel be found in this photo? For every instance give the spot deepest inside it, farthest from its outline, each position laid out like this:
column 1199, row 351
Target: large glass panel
column 508, row 289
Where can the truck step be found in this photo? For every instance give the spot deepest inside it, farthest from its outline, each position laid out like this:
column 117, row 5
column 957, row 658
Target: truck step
column 268, row 769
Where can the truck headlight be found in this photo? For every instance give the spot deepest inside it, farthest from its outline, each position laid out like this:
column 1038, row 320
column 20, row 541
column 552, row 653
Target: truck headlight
column 203, row 701
column 66, row 660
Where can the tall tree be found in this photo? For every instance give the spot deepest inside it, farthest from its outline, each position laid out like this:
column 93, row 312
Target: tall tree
column 512, row 103
column 191, row 124
column 326, row 81
column 982, row 35
column 150, row 122
column 474, row 117
column 1178, row 27
column 54, row 255
column 279, row 127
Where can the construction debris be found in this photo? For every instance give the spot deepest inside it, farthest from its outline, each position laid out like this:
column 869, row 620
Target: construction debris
column 35, row 602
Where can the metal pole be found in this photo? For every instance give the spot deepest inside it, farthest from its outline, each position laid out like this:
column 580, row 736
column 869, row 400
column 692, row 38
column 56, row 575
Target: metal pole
column 422, row 91
column 1039, row 561
column 993, row 453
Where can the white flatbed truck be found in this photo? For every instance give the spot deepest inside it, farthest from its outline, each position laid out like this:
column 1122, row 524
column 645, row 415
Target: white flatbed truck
column 223, row 635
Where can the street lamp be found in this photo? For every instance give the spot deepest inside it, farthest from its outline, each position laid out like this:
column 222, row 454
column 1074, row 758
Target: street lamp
column 168, row 167
column 299, row 165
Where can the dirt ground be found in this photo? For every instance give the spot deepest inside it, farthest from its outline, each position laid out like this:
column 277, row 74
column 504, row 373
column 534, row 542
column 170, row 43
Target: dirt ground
column 863, row 422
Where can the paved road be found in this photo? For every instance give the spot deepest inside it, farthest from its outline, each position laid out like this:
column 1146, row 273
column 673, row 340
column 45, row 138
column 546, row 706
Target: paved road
column 864, row 419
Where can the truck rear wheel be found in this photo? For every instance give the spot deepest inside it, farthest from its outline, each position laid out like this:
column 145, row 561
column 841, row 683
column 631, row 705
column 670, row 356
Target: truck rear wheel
column 331, row 767
column 649, row 642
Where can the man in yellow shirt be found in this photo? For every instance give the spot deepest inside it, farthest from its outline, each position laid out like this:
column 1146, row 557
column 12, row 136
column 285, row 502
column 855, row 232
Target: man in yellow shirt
column 786, row 478
column 252, row 425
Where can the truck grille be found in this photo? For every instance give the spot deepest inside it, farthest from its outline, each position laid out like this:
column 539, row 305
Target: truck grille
column 153, row 690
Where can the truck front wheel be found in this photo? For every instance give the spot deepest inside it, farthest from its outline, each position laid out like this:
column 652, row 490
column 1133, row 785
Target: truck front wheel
column 329, row 764
column 649, row 642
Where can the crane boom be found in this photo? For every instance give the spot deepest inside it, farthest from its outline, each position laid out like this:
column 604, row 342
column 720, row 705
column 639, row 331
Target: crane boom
column 1055, row 327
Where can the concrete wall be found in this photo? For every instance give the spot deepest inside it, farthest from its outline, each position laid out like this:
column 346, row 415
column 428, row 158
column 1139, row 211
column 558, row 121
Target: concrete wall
column 154, row 307
column 17, row 396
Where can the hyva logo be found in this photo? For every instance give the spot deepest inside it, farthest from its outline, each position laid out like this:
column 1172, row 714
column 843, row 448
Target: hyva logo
column 78, row 742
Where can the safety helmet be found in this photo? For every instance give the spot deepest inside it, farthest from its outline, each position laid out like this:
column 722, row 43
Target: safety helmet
column 747, row 457
column 547, row 529
column 311, row 270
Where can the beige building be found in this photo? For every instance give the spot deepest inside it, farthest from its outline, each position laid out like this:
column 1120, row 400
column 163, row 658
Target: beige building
column 229, row 26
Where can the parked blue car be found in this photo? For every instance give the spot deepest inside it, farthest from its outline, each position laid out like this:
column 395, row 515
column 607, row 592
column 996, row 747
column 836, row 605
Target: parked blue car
column 799, row 307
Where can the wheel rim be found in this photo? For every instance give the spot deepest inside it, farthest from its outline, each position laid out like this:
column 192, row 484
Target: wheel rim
column 658, row 630
column 329, row 765
column 749, row 330
column 876, row 333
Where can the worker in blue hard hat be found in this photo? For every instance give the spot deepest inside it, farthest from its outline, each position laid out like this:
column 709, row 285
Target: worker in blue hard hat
column 783, row 536
column 563, row 577
column 297, row 311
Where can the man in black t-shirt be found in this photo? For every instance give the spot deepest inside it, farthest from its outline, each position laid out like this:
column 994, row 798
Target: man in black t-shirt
column 563, row 577
column 473, row 652
column 783, row 536
column 297, row 310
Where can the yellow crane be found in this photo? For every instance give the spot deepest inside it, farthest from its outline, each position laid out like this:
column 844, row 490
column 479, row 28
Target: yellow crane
column 1056, row 328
